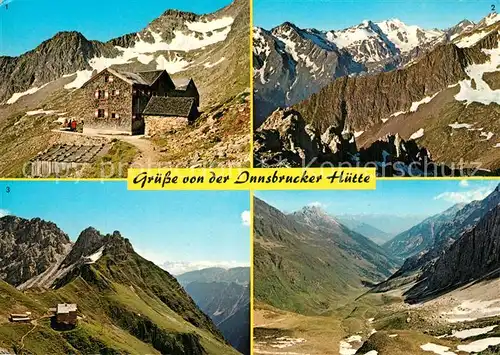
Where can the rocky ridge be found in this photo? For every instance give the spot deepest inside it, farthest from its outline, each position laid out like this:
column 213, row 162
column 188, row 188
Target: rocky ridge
column 141, row 305
column 286, row 140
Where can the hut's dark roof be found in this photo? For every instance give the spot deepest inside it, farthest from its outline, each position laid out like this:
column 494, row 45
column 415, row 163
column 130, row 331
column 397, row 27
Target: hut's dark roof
column 142, row 78
column 169, row 106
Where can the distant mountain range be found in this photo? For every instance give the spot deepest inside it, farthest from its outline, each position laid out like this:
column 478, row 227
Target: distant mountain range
column 380, row 228
column 224, row 295
column 126, row 304
column 378, row 92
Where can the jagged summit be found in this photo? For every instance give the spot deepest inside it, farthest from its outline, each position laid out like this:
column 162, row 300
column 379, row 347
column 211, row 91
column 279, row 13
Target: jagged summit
column 314, row 213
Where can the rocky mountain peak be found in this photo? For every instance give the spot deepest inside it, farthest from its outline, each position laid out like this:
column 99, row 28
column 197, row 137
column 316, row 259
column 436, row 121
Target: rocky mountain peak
column 286, row 28
column 68, row 35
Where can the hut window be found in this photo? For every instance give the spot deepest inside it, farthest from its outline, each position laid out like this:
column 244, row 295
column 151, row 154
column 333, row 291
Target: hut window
column 101, row 94
column 100, row 113
column 108, row 79
column 116, row 92
column 115, row 115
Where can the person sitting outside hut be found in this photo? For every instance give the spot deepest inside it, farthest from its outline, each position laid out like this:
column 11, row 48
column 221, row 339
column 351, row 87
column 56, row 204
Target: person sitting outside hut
column 73, row 125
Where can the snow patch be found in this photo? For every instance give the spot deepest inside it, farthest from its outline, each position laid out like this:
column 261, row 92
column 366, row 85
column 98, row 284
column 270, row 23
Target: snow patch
column 92, row 259
column 171, row 66
column 218, row 313
column 487, row 135
column 212, row 32
column 464, row 334
column 399, row 113
column 414, row 106
column 210, row 26
column 457, row 125
column 40, row 112
column 482, row 93
column 471, row 310
column 346, row 348
column 145, row 59
column 472, row 39
column 407, row 37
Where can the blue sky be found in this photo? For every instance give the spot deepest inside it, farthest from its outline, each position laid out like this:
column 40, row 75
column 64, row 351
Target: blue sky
column 191, row 227
column 27, row 23
column 399, row 198
column 339, row 14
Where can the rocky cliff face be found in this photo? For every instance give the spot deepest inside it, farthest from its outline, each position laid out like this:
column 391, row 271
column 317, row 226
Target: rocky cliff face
column 89, row 242
column 310, row 253
column 353, row 104
column 63, row 54
column 141, row 305
column 29, row 248
column 421, row 237
column 286, row 140
column 290, row 64
column 472, row 257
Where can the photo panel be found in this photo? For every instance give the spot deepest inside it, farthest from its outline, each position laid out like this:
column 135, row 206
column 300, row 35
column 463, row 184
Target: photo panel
column 90, row 90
